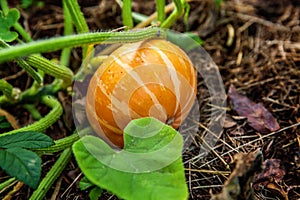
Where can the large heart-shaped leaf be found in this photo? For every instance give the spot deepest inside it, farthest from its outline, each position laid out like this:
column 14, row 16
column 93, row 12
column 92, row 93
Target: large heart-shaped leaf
column 149, row 167
column 28, row 140
column 23, row 164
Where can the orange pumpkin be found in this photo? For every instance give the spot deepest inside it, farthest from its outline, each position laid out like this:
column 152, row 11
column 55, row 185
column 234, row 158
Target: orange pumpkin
column 149, row 78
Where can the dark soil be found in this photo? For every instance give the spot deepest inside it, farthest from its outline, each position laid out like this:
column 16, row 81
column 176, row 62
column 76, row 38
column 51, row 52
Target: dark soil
column 261, row 59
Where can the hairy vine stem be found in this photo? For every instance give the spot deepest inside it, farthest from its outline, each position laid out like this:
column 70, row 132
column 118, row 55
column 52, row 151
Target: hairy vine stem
column 57, row 71
column 64, row 143
column 52, row 175
column 54, row 44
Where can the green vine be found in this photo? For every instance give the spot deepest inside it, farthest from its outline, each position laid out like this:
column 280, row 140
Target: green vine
column 127, row 14
column 63, row 143
column 57, row 71
column 54, row 44
column 22, row 63
column 52, row 175
column 68, row 30
column 46, row 121
column 6, row 88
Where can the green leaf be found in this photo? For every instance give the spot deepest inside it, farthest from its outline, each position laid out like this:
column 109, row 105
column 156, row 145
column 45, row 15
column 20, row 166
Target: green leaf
column 27, row 139
column 84, row 183
column 6, row 22
column 23, row 164
column 194, row 37
column 2, row 118
column 26, row 3
column 95, row 193
column 4, row 123
column 187, row 40
column 149, row 167
column 186, row 15
column 218, row 2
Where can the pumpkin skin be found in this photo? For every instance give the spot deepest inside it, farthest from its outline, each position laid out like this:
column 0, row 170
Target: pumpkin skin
column 150, row 78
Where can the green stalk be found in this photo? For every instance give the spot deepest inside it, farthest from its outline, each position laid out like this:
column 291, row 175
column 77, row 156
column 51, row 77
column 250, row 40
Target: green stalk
column 127, row 13
column 52, row 175
column 68, row 30
column 160, row 9
column 46, row 121
column 33, row 111
column 59, row 145
column 57, row 71
column 138, row 17
column 4, row 7
column 78, row 19
column 187, row 9
column 6, row 88
column 9, row 92
column 35, row 75
column 77, row 16
column 5, row 100
column 178, row 11
column 35, row 93
column 22, row 32
column 63, row 143
column 6, row 184
column 54, row 44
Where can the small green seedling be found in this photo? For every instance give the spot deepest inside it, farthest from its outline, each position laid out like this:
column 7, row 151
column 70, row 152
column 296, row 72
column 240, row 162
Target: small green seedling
column 7, row 21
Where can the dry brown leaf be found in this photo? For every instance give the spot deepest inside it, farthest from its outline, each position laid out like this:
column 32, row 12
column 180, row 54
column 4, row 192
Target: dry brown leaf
column 229, row 122
column 257, row 115
column 237, row 132
column 271, row 175
column 236, row 117
column 238, row 185
column 273, row 169
column 274, row 186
